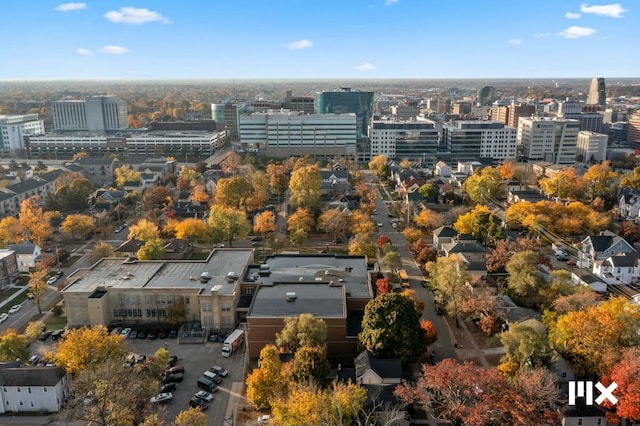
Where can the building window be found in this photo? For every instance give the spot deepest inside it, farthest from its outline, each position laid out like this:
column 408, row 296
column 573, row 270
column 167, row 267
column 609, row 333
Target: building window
column 248, row 291
column 29, row 390
column 45, row 389
column 31, row 402
column 579, row 422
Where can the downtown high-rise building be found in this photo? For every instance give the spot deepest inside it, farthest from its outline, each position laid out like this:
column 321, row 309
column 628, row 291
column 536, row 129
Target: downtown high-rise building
column 544, row 139
column 404, row 139
column 14, row 128
column 95, row 114
column 592, row 147
column 470, row 140
column 597, row 92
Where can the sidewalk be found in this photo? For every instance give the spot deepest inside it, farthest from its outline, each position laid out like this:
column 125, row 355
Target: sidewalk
column 13, row 296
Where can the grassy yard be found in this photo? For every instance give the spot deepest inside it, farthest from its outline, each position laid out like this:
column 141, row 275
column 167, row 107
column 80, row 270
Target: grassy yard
column 383, row 193
column 54, row 322
column 17, row 301
column 7, row 293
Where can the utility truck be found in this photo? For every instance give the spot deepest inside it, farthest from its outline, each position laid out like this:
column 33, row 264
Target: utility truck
column 232, row 342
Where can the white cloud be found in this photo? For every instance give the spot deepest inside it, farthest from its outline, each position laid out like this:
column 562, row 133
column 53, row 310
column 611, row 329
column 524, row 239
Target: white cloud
column 390, row 2
column 68, row 7
column 541, row 35
column 299, row 44
column 572, row 15
column 515, row 41
column 83, row 52
column 135, row 16
column 366, row 66
column 577, row 32
column 614, row 10
column 114, row 50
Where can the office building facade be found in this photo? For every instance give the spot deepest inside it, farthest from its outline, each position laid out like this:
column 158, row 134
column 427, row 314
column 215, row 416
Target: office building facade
column 95, row 114
column 544, row 139
column 14, row 128
column 591, row 147
column 470, row 140
column 597, row 92
column 286, row 133
column 403, row 139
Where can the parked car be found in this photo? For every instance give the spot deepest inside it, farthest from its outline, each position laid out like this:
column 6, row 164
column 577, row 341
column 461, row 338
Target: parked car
column 163, row 334
column 57, row 334
column 198, row 403
column 116, row 331
column 153, row 333
column 256, row 238
column 212, row 376
column 172, row 360
column 35, row 359
column 571, row 262
column 219, row 371
column 125, row 332
column 141, row 359
column 168, row 387
column 52, row 280
column 133, row 334
column 44, row 335
column 204, row 395
column 142, row 334
column 3, row 317
column 394, row 225
column 174, row 370
column 59, row 274
column 264, row 419
column 173, row 333
column 162, row 397
column 169, row 378
column 439, row 310
column 380, row 225
column 14, row 309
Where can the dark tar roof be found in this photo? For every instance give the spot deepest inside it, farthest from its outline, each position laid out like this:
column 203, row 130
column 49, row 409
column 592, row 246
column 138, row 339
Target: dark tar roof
column 444, row 232
column 31, row 376
column 384, row 368
column 321, row 300
column 52, row 175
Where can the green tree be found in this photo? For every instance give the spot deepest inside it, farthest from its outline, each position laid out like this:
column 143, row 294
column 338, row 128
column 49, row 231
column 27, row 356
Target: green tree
column 523, row 272
column 310, row 363
column 13, row 346
column 153, row 249
column 429, row 190
column 303, row 330
column 526, row 346
column 305, row 185
column 391, row 328
column 450, row 277
column 228, row 224
column 483, row 185
column 392, row 259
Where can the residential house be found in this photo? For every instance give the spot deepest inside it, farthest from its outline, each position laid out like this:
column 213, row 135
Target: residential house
column 597, row 284
column 629, row 205
column 9, row 271
column 511, row 313
column 443, row 235
column 334, row 182
column 50, row 178
column 469, row 167
column 32, row 389
column 584, row 415
column 99, row 170
column 373, row 371
column 129, row 248
column 463, row 244
column 12, row 196
column 160, row 167
column 106, row 199
column 600, row 247
column 134, row 185
column 443, row 169
column 621, row 269
column 176, row 248
column 529, row 195
column 27, row 255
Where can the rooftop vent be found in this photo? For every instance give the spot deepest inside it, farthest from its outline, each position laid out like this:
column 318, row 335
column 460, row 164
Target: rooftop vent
column 291, row 296
column 301, row 279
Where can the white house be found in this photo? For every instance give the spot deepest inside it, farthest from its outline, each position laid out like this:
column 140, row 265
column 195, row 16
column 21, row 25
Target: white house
column 600, row 247
column 27, row 254
column 622, row 269
column 32, row 389
column 629, row 205
column 373, row 371
column 443, row 169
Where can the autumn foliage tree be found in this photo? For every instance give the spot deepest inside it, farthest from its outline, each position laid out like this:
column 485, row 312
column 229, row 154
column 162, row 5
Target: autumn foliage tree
column 233, row 192
column 334, row 222
column 305, row 185
column 82, row 348
column 144, row 230
column 626, row 374
column 430, row 334
column 428, row 219
column 383, row 285
column 38, row 286
column 13, row 346
column 193, row 230
column 78, row 225
column 228, row 224
column 267, row 382
column 303, row 330
column 33, row 221
column 265, row 223
column 191, row 417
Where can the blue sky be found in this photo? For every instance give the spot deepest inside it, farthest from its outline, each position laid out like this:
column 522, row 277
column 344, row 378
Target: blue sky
column 318, row 39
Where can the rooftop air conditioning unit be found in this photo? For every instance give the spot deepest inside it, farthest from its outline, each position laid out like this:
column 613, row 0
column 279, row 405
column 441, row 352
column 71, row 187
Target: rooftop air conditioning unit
column 291, row 296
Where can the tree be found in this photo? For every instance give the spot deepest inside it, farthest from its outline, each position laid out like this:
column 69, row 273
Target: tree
column 38, row 286
column 523, row 272
column 69, row 196
column 630, row 231
column 412, row 234
column 305, row 404
column 186, row 178
column 303, row 330
column 423, row 252
column 334, row 223
column 450, row 278
column 361, row 223
column 581, row 300
column 84, row 348
column 631, row 179
column 101, row 250
column 592, row 339
column 144, row 230
column 383, row 285
column 305, row 185
column 381, row 241
column 80, row 154
column 13, row 346
column 278, row 179
column 228, row 224
column 265, row 224
column 301, row 219
column 361, row 245
column 11, row 231
column 626, row 374
column 476, row 396
column 482, row 224
column 32, row 220
column 391, row 328
column 193, row 230
column 152, row 249
column 379, row 164
column 429, row 190
column 266, row 382
column 430, row 333
column 233, row 192
column 157, row 199
column 565, row 184
column 392, row 259
column 78, row 225
column 33, row 330
column 526, row 346
column 428, row 219
column 191, row 417
column 310, row 363
column 124, row 174
column 600, row 181
column 260, row 188
column 483, row 185
column 501, row 253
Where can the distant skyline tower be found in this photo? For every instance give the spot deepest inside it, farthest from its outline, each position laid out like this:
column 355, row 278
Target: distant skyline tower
column 597, row 95
column 486, row 95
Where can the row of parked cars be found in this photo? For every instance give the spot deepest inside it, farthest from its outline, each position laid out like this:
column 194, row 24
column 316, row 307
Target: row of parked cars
column 144, row 333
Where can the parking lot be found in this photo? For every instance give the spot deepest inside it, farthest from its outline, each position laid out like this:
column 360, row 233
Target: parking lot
column 196, row 358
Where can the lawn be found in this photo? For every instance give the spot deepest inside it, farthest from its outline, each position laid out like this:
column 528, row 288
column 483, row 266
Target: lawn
column 8, row 292
column 54, row 322
column 17, row 301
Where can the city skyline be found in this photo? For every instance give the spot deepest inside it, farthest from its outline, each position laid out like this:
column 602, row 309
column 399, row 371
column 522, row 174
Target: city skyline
column 373, row 39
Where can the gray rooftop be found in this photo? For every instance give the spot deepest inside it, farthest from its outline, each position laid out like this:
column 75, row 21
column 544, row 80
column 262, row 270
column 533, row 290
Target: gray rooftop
column 321, row 300
column 290, row 268
column 31, row 376
column 122, row 273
